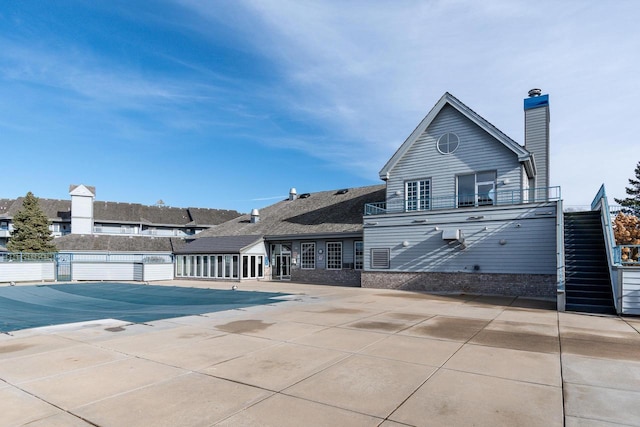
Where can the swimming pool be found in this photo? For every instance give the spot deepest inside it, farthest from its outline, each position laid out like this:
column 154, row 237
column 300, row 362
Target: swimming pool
column 25, row 307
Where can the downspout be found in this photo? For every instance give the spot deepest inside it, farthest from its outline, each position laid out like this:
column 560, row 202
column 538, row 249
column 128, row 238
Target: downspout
column 560, row 262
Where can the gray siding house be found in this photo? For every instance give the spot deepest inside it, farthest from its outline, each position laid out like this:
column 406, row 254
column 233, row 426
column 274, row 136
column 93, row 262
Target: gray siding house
column 466, row 208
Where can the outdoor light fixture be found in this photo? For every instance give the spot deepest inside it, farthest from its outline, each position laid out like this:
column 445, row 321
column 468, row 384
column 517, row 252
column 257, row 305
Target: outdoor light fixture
column 405, row 243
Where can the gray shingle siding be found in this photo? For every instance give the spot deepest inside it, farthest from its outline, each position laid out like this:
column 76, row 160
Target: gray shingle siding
column 478, row 151
column 516, row 240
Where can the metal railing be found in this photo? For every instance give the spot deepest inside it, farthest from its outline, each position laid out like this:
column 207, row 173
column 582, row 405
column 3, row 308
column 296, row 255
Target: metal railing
column 138, row 232
column 627, row 255
column 601, row 203
column 497, row 198
column 123, row 257
column 146, row 258
column 27, row 256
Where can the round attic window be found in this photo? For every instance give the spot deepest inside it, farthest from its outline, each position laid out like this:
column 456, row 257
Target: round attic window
column 448, row 143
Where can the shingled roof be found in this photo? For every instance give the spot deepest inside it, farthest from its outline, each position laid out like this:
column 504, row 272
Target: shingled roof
column 219, row 245
column 325, row 212
column 78, row 242
column 54, row 209
column 135, row 213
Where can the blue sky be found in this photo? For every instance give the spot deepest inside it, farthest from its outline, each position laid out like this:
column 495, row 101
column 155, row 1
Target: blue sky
column 228, row 104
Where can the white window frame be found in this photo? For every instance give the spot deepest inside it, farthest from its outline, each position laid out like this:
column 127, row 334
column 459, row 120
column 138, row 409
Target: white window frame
column 308, row 255
column 334, row 251
column 358, row 255
column 418, row 195
column 475, row 200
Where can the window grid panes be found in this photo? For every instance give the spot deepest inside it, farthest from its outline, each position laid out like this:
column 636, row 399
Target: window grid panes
column 334, row 255
column 358, row 255
column 418, row 193
column 308, row 256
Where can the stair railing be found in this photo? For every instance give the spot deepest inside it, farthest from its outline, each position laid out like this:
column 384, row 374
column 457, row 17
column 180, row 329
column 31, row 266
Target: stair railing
column 601, row 203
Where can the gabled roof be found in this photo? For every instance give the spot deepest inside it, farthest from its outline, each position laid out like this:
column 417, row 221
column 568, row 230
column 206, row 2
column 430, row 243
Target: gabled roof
column 524, row 156
column 219, row 245
column 321, row 213
column 82, row 190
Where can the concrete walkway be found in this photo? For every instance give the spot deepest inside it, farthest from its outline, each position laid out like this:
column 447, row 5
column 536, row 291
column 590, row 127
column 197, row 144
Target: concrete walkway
column 330, row 356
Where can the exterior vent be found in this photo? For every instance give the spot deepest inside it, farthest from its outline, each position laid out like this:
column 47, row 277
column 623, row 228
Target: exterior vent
column 293, row 194
column 305, row 195
column 535, row 92
column 255, row 216
column 343, row 191
column 451, row 234
column 380, row 258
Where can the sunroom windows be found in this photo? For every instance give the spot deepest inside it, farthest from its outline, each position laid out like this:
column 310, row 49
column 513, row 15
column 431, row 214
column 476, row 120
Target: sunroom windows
column 226, row 266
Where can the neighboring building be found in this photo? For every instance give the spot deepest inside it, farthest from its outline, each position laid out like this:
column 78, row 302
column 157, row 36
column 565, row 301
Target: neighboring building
column 467, row 208
column 84, row 216
column 310, row 238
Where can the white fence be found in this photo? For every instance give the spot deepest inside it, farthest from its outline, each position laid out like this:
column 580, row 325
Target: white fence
column 27, row 271
column 87, row 267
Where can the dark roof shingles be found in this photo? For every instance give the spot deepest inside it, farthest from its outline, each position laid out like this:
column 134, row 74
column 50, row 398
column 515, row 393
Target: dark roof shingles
column 321, row 213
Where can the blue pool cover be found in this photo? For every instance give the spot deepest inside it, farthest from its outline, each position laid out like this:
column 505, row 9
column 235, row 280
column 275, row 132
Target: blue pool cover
column 24, row 307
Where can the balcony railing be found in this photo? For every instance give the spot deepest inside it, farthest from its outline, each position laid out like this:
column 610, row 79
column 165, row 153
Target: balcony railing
column 627, row 255
column 498, row 198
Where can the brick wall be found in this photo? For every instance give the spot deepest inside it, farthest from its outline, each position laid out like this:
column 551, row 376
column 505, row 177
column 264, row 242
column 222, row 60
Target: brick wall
column 528, row 285
column 346, row 277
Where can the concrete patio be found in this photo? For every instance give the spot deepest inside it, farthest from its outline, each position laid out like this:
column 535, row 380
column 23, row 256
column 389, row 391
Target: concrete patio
column 330, row 356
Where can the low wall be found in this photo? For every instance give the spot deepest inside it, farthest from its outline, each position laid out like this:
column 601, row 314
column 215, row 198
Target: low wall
column 327, row 277
column 527, row 285
column 32, row 271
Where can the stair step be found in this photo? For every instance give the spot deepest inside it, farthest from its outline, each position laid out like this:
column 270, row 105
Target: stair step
column 589, row 308
column 594, row 295
column 587, row 281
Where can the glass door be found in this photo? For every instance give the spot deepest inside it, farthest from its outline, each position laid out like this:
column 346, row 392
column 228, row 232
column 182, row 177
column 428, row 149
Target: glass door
column 281, row 256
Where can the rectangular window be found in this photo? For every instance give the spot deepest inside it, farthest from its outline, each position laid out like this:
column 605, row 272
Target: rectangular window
column 334, row 255
column 358, row 255
column 380, row 258
column 220, row 266
column 179, row 264
column 192, row 266
column 245, row 266
column 260, row 273
column 253, row 266
column 477, row 189
column 418, row 193
column 308, row 256
column 235, row 266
